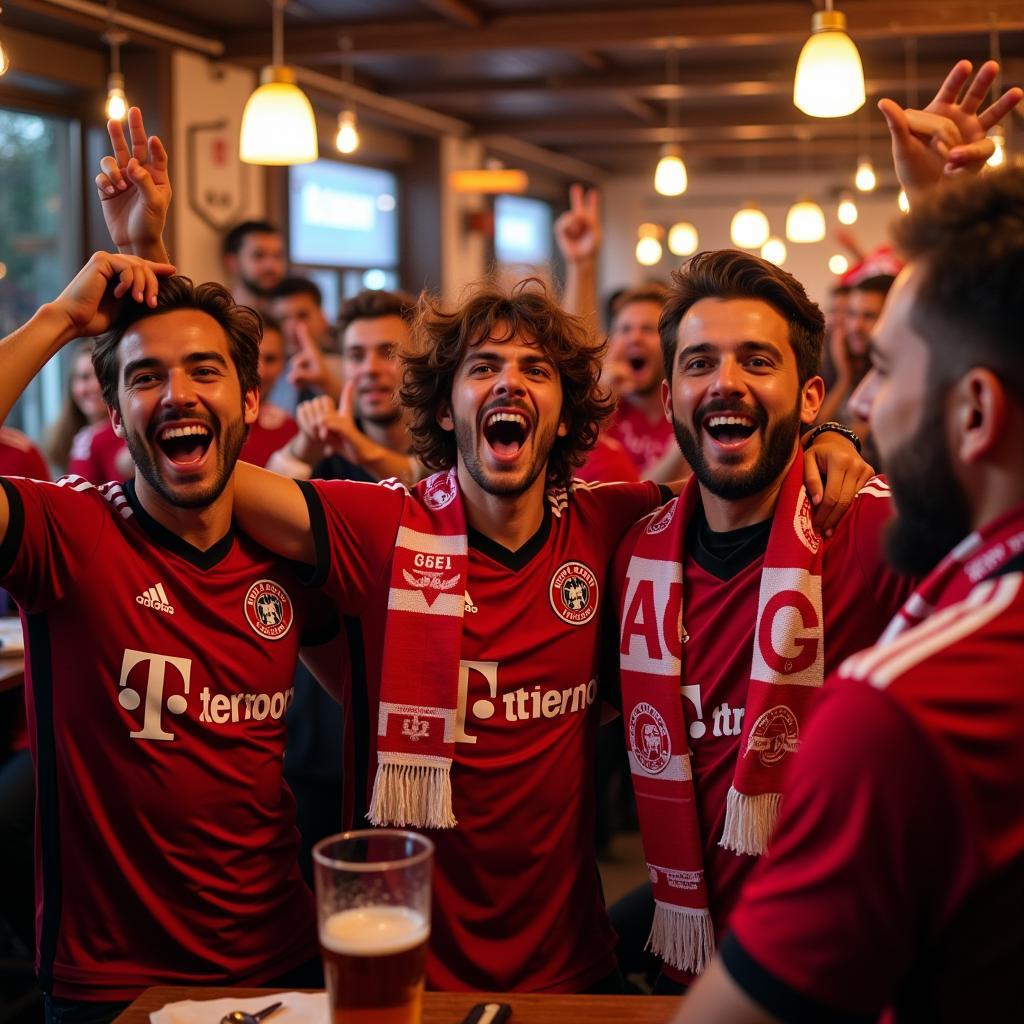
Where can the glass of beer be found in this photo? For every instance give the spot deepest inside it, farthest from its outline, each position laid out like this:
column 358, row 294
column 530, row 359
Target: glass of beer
column 373, row 917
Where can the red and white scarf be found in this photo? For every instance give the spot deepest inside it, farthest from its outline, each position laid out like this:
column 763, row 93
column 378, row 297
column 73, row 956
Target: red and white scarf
column 422, row 646
column 787, row 670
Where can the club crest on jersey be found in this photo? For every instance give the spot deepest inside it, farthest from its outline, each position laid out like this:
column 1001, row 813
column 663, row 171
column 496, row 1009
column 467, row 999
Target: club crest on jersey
column 662, row 519
column 803, row 524
column 775, row 734
column 648, row 736
column 573, row 593
column 439, row 490
column 269, row 610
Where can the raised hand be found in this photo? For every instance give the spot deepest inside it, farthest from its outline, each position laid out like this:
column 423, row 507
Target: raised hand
column 135, row 189
column 89, row 304
column 578, row 230
column 949, row 136
column 308, row 368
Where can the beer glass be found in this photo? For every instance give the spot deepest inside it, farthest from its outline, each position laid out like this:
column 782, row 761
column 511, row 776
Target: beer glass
column 373, row 918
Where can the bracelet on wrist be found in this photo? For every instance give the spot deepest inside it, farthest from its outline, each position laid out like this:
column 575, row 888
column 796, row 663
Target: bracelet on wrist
column 837, row 428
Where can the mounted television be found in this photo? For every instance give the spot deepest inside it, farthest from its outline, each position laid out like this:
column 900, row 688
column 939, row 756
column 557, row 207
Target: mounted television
column 522, row 230
column 342, row 215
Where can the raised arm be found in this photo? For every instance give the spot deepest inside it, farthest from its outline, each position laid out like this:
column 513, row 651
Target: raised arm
column 950, row 135
column 273, row 511
column 84, row 309
column 134, row 187
column 578, row 234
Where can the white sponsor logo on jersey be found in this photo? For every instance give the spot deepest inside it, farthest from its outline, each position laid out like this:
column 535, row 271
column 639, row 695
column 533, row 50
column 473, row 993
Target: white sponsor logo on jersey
column 155, row 597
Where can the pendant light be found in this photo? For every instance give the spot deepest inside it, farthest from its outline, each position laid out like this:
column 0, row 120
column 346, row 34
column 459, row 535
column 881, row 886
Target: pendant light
column 903, row 202
column 648, row 251
column 829, row 78
column 847, row 213
column 278, row 124
column 838, row 264
column 683, row 239
column 670, row 174
column 116, row 107
column 774, row 251
column 347, row 139
column 5, row 61
column 749, row 228
column 805, row 222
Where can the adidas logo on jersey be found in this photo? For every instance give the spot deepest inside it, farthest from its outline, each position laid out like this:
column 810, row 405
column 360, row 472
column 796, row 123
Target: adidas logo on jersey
column 155, row 598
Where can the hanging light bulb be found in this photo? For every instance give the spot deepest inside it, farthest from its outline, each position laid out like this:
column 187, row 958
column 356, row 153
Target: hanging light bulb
column 116, row 107
column 903, row 202
column 998, row 157
column 278, row 124
column 670, row 175
column 648, row 251
column 682, row 239
column 838, row 263
column 649, row 230
column 5, row 61
column 774, row 251
column 847, row 211
column 805, row 222
column 865, row 179
column 829, row 78
column 749, row 228
column 347, row 139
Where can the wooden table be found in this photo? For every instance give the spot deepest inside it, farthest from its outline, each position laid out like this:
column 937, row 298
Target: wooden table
column 451, row 1007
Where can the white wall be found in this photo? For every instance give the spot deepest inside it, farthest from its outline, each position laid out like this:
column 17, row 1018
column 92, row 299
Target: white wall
column 709, row 206
column 204, row 92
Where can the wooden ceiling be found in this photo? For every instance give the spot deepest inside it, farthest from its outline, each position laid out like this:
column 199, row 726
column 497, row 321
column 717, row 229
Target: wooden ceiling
column 592, row 81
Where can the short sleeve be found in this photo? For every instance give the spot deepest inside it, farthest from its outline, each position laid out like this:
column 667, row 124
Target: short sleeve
column 53, row 533
column 864, row 864
column 622, row 505
column 358, row 523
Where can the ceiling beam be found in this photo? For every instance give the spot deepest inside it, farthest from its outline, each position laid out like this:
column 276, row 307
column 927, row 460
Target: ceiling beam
column 593, row 60
column 633, row 105
column 458, row 12
column 580, row 170
column 684, row 26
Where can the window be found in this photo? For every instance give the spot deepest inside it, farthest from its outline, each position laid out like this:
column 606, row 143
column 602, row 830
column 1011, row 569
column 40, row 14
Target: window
column 522, row 231
column 40, row 220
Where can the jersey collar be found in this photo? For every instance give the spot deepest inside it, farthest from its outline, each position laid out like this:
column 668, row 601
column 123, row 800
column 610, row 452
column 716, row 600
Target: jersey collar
column 514, row 560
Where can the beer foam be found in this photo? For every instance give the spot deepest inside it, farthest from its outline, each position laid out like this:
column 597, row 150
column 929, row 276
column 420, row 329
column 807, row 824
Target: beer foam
column 374, row 931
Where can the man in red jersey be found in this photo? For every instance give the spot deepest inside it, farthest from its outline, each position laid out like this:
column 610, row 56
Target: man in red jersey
column 894, row 885
column 734, row 570
column 160, row 649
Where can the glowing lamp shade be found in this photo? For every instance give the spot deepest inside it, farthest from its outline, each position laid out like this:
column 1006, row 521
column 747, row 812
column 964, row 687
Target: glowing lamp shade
column 649, row 230
column 865, row 179
column 847, row 212
column 682, row 239
column 347, row 139
column 648, row 251
column 838, row 263
column 805, row 222
column 116, row 107
column 998, row 157
column 903, row 202
column 5, row 61
column 749, row 228
column 278, row 126
column 829, row 76
column 774, row 251
column 670, row 174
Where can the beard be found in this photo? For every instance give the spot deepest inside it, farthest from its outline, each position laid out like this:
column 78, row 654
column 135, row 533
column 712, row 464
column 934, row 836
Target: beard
column 932, row 514
column 229, row 445
column 254, row 287
column 507, row 484
column 777, row 445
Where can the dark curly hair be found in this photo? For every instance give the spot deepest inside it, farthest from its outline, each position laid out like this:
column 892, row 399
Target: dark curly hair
column 242, row 325
column 441, row 338
column 734, row 274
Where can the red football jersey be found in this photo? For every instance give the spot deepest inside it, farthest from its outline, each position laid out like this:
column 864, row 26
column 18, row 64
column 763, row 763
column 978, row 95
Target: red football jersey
column 608, row 462
column 273, row 430
column 157, row 679
column 20, row 457
column 645, row 441
column 897, row 878
column 517, row 896
column 860, row 594
column 94, row 452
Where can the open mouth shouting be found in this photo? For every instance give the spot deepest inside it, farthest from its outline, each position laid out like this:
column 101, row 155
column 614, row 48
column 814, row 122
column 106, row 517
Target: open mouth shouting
column 184, row 445
column 506, row 432
column 730, row 431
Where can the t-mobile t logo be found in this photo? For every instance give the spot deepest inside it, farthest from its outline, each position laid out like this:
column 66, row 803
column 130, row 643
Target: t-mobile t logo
column 129, row 698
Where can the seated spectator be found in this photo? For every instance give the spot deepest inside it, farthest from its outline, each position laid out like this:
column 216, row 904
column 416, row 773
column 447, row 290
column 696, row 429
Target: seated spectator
column 255, row 262
column 273, row 428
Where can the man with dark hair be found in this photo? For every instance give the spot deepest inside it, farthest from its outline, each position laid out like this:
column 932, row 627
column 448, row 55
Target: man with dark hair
column 894, row 887
column 735, row 569
column 160, row 649
column 274, row 427
column 255, row 262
